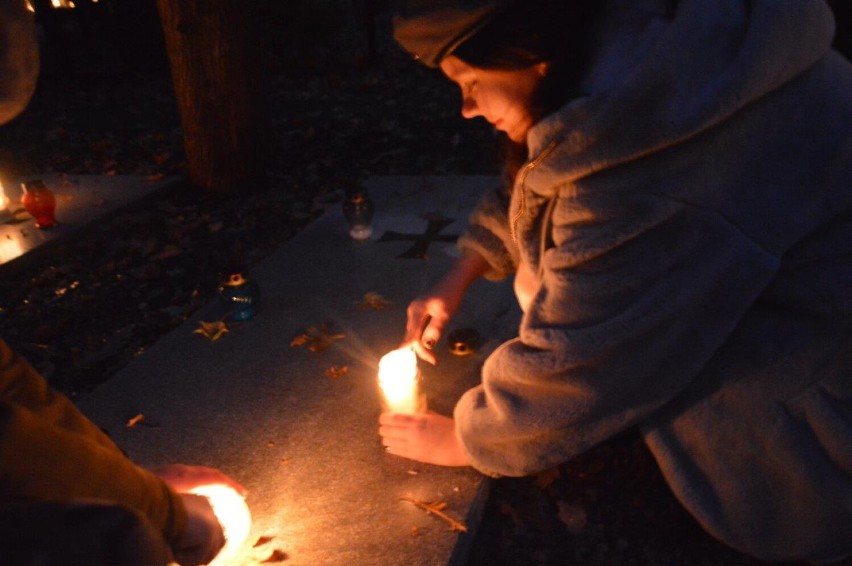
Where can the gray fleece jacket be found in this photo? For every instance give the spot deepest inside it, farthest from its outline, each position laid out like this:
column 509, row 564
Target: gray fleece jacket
column 686, row 241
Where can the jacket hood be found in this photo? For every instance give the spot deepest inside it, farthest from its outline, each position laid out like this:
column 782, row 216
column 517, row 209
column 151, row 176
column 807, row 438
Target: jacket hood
column 657, row 81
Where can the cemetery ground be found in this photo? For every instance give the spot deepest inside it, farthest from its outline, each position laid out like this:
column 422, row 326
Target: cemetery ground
column 100, row 299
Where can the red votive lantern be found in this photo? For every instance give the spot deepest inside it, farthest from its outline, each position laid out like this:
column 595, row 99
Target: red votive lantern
column 40, row 203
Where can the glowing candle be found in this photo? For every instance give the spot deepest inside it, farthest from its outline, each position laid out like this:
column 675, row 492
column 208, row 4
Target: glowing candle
column 233, row 514
column 4, row 200
column 399, row 380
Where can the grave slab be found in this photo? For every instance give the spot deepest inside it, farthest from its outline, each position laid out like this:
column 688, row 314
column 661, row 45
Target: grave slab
column 281, row 418
column 80, row 200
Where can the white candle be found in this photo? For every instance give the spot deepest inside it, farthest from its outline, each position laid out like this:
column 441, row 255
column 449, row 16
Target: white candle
column 233, row 514
column 4, row 200
column 399, row 381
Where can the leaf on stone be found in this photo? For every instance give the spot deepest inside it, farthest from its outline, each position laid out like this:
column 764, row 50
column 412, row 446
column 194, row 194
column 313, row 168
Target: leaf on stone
column 261, row 541
column 212, row 330
column 277, row 555
column 135, row 420
column 337, row 372
column 317, row 339
column 373, row 301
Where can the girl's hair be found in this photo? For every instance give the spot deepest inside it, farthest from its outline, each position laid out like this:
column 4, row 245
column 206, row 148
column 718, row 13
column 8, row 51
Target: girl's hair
column 559, row 32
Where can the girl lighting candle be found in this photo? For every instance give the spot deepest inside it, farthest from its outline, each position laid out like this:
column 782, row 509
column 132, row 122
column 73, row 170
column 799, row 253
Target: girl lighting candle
column 399, row 380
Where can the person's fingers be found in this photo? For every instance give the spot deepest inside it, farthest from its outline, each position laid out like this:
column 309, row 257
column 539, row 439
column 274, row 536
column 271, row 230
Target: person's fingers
column 416, row 316
column 423, row 353
column 183, row 478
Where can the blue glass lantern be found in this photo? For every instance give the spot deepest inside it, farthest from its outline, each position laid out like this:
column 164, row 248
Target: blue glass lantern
column 239, row 295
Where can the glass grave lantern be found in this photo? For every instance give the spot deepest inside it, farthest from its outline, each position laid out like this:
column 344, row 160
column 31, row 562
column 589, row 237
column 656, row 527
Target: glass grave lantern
column 358, row 210
column 39, row 202
column 239, row 295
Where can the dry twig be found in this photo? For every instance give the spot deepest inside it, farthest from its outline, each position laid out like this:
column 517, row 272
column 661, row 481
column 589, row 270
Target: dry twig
column 436, row 509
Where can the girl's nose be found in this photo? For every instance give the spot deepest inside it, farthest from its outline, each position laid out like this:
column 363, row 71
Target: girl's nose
column 469, row 108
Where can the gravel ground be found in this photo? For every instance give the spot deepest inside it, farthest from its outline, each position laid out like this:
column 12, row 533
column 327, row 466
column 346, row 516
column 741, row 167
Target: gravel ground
column 337, row 117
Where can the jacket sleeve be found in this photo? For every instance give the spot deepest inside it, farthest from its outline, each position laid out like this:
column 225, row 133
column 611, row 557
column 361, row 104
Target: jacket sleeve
column 488, row 234
column 49, row 451
column 635, row 296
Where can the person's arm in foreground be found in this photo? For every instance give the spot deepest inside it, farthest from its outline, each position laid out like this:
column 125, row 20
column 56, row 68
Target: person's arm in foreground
column 50, row 451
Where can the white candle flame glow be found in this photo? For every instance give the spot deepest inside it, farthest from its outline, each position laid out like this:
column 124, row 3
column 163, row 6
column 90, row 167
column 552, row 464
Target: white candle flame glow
column 398, row 379
column 4, row 200
column 233, row 514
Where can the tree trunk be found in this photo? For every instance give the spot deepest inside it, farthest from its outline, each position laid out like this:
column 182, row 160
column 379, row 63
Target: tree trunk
column 216, row 68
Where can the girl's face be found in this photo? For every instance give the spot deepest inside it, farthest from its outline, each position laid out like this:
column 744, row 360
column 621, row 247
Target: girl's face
column 503, row 97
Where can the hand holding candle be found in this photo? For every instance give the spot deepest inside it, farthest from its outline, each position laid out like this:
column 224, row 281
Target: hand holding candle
column 399, row 380
column 233, row 515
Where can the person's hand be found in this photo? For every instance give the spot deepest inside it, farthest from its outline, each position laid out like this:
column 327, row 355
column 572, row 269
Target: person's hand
column 203, row 537
column 427, row 317
column 183, row 478
column 429, row 314
column 428, row 437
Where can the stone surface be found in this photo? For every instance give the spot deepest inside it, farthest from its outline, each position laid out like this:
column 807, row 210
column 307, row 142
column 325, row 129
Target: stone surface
column 80, row 200
column 304, row 442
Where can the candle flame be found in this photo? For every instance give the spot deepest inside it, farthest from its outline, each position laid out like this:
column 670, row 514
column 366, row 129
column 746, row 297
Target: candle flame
column 4, row 200
column 398, row 380
column 233, row 514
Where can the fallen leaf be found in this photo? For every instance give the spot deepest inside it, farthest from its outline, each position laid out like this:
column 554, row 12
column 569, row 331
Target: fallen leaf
column 261, row 541
column 373, row 301
column 212, row 330
column 317, row 339
column 337, row 372
column 276, row 556
column 135, row 420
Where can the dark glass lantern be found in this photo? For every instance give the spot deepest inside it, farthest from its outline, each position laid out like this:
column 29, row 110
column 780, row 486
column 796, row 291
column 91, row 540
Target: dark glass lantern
column 358, row 210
